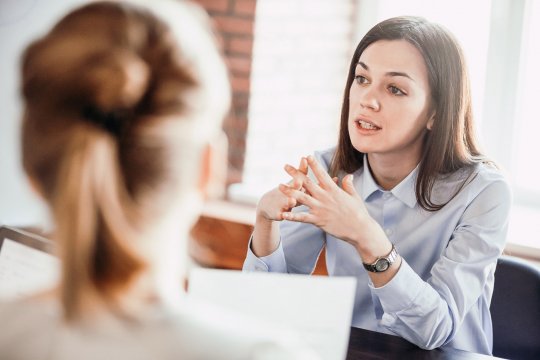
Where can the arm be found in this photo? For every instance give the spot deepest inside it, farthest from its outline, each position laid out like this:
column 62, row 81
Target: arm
column 430, row 313
column 426, row 313
column 302, row 243
column 297, row 251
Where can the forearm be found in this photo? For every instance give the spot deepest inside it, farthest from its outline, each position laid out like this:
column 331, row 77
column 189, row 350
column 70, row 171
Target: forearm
column 265, row 237
column 371, row 242
column 416, row 311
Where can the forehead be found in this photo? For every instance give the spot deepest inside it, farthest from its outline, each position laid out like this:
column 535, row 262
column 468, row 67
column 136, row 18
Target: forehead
column 395, row 56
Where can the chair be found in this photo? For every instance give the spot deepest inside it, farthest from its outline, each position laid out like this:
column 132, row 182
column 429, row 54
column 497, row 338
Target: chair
column 515, row 309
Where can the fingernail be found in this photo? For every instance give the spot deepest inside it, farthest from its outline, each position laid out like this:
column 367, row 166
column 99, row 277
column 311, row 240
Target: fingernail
column 310, row 158
column 351, row 176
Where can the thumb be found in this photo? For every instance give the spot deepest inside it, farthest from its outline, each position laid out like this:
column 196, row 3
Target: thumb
column 348, row 186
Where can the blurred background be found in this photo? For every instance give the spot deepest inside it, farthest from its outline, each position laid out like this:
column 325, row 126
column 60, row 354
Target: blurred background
column 288, row 61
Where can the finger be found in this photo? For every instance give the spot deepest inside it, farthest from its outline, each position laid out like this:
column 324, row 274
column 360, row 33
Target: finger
column 303, row 167
column 303, row 217
column 296, row 183
column 299, row 196
column 291, row 202
column 325, row 181
column 313, row 188
column 294, row 172
column 348, row 186
column 336, row 180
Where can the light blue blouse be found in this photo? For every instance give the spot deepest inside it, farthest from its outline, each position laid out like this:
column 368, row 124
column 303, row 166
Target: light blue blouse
column 441, row 294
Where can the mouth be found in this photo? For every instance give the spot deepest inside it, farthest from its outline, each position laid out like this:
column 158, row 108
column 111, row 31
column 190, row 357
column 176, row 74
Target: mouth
column 366, row 125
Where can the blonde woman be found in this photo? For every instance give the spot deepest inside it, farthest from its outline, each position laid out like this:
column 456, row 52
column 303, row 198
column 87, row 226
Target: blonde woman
column 121, row 103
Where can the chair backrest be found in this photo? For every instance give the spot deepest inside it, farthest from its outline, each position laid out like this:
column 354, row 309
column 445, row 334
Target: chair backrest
column 515, row 309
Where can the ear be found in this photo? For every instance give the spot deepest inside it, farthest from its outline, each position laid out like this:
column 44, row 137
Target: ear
column 213, row 170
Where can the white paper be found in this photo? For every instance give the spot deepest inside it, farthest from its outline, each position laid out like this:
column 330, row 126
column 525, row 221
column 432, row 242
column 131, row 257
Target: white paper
column 25, row 270
column 317, row 308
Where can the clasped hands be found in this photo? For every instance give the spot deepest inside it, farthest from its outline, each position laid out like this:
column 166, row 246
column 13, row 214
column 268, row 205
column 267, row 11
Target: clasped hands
column 339, row 211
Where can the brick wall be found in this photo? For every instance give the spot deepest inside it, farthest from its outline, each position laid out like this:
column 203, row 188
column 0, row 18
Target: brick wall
column 234, row 23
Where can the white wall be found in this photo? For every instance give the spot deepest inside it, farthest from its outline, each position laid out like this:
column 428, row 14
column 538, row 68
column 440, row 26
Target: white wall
column 20, row 22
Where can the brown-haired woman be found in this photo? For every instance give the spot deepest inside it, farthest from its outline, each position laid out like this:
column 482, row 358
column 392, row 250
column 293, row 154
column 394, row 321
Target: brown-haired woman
column 424, row 218
column 121, row 102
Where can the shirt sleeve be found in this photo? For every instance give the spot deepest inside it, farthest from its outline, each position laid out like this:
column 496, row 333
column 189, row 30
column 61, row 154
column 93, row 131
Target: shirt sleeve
column 275, row 262
column 300, row 246
column 429, row 313
column 297, row 252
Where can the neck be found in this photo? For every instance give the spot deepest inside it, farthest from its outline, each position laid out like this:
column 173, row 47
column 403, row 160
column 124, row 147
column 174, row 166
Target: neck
column 389, row 170
column 165, row 248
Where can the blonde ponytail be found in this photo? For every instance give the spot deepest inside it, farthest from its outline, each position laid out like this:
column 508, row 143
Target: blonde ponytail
column 93, row 225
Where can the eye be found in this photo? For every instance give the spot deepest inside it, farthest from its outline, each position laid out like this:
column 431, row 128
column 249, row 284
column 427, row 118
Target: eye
column 361, row 79
column 396, row 91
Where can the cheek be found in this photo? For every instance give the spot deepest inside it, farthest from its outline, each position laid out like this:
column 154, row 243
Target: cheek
column 353, row 101
column 353, row 94
column 414, row 114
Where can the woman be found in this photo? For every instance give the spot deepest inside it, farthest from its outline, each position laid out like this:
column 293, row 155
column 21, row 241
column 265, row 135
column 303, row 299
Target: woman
column 421, row 214
column 121, row 103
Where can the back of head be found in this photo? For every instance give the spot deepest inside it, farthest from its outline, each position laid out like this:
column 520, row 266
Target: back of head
column 118, row 104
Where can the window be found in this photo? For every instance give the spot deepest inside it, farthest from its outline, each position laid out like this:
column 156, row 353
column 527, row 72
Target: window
column 524, row 142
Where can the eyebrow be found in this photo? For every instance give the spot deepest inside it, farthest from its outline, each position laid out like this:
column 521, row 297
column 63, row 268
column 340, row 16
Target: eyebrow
column 390, row 73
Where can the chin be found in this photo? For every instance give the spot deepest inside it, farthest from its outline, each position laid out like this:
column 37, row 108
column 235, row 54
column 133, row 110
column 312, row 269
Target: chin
column 362, row 147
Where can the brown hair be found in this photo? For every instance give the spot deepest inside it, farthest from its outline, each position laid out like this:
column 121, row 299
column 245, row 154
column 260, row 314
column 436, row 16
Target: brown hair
column 451, row 144
column 107, row 135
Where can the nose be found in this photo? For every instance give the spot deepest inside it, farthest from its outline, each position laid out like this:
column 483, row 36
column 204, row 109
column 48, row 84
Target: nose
column 369, row 100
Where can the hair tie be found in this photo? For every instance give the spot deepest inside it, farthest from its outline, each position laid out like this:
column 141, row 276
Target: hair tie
column 114, row 122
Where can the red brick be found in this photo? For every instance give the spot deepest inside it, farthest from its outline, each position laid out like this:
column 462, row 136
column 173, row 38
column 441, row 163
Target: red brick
column 241, row 100
column 240, row 46
column 240, row 84
column 241, row 113
column 244, row 7
column 239, row 65
column 234, row 175
column 232, row 25
column 237, row 141
column 215, row 5
column 238, row 123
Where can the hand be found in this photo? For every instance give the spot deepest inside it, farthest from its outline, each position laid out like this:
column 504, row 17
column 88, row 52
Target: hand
column 274, row 203
column 340, row 212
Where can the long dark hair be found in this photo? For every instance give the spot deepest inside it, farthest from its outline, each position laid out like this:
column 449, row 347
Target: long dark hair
column 451, row 144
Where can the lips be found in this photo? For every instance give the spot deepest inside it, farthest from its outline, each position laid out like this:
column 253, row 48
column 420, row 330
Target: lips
column 366, row 125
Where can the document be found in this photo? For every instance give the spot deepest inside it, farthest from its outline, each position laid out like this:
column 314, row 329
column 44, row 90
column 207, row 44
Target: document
column 25, row 270
column 318, row 309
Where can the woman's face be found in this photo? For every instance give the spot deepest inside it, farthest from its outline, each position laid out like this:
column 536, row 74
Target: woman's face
column 389, row 100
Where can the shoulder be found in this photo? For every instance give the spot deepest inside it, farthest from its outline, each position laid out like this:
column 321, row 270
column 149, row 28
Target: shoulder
column 473, row 180
column 478, row 181
column 486, row 178
column 27, row 327
column 209, row 332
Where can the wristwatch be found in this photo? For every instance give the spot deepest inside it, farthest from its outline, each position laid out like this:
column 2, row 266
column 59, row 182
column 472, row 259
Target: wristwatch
column 383, row 262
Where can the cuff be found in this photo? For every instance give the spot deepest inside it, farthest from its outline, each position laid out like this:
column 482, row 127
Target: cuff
column 275, row 262
column 401, row 291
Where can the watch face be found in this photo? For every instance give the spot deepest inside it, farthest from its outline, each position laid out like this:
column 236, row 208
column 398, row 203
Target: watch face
column 382, row 265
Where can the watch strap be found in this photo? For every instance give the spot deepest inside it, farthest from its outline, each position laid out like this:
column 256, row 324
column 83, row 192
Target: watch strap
column 382, row 263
